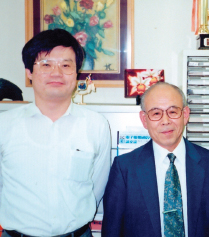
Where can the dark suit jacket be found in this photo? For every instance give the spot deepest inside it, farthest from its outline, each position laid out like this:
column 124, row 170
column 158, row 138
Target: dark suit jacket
column 131, row 203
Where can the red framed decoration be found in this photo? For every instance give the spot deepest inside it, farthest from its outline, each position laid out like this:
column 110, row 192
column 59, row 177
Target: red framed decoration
column 139, row 80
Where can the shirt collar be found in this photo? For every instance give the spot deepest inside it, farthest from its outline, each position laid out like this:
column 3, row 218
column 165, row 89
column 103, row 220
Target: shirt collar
column 73, row 109
column 32, row 110
column 180, row 151
column 161, row 153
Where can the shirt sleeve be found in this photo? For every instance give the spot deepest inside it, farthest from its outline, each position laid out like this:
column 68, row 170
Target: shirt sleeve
column 102, row 161
column 1, row 182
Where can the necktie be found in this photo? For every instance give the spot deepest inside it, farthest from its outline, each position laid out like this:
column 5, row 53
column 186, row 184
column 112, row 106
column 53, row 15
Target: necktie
column 173, row 209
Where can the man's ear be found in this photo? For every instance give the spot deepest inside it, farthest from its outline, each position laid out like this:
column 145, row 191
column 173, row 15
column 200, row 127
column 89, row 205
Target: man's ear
column 28, row 73
column 143, row 118
column 186, row 113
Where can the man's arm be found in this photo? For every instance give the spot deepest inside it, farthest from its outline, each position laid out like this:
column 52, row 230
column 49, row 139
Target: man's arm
column 114, row 202
column 102, row 162
column 1, row 182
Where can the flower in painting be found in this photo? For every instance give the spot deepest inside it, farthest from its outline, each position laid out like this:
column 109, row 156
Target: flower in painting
column 88, row 4
column 56, row 10
column 109, row 2
column 70, row 22
column 63, row 6
column 81, row 38
column 153, row 81
column 87, row 20
column 94, row 20
column 138, row 84
column 99, row 6
column 108, row 24
column 48, row 19
column 152, row 75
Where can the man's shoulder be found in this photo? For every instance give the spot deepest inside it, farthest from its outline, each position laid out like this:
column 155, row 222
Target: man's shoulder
column 199, row 148
column 11, row 118
column 197, row 153
column 135, row 155
column 13, row 113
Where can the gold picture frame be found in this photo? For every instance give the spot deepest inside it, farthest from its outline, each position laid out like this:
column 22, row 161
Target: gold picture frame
column 129, row 55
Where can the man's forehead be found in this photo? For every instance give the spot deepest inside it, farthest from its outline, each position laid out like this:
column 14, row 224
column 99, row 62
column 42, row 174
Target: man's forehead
column 67, row 54
column 163, row 97
column 164, row 108
column 164, row 91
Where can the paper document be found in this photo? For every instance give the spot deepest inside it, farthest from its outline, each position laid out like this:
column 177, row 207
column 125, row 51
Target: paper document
column 131, row 140
column 198, row 59
column 199, row 108
column 198, row 90
column 198, row 64
column 198, row 137
column 198, row 99
column 199, row 118
column 198, row 127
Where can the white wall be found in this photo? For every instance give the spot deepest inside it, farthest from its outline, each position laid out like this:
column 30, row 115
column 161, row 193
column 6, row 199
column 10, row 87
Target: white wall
column 162, row 32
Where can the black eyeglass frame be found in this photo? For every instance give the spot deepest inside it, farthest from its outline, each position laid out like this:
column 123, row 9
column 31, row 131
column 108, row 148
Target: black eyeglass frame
column 163, row 113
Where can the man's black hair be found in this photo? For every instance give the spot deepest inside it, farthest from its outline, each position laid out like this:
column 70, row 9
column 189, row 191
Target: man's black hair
column 45, row 41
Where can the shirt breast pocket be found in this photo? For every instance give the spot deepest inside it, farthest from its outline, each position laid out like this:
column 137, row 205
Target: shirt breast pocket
column 81, row 165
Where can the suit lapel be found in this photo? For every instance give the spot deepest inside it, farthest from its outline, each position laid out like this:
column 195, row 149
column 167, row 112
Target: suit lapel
column 195, row 177
column 147, row 178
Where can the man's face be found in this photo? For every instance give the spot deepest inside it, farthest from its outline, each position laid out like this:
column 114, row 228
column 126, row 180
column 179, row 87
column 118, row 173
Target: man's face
column 166, row 132
column 56, row 85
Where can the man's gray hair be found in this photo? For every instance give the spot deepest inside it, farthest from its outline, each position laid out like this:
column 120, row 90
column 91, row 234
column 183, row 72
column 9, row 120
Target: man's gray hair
column 143, row 97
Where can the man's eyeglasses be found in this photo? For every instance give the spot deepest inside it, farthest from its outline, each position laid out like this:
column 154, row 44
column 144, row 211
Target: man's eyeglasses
column 156, row 114
column 47, row 66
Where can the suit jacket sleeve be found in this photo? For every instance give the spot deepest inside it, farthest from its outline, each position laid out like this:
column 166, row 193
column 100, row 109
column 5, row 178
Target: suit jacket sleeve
column 114, row 202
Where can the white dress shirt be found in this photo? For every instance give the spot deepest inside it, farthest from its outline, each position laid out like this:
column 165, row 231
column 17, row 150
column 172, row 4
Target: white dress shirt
column 53, row 174
column 162, row 163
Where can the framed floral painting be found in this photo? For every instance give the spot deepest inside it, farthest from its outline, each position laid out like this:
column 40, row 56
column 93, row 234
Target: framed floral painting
column 137, row 81
column 102, row 27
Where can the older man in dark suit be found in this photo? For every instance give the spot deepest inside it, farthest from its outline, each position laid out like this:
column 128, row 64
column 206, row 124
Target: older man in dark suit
column 161, row 188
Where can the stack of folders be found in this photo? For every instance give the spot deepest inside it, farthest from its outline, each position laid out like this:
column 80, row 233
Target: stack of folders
column 198, row 100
